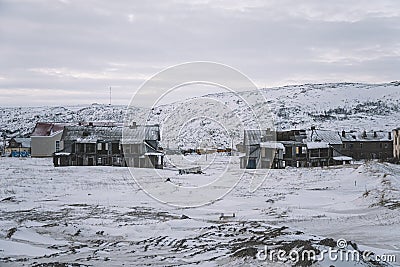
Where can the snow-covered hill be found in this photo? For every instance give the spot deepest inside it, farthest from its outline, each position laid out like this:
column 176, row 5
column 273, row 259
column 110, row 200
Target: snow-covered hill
column 213, row 119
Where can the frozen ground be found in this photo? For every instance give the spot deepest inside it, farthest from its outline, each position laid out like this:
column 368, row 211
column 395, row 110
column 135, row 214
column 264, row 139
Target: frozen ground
column 98, row 216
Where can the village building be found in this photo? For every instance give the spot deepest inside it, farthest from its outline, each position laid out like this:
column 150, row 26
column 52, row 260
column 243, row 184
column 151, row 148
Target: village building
column 271, row 155
column 266, row 149
column 294, row 148
column 329, row 156
column 141, row 146
column 18, row 147
column 46, row 139
column 319, row 154
column 90, row 145
column 331, row 137
column 295, row 153
column 252, row 148
column 367, row 145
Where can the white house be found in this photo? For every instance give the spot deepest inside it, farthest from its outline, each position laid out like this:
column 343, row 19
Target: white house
column 46, row 139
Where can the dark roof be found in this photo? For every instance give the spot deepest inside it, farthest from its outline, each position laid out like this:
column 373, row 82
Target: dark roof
column 47, row 128
column 330, row 137
column 140, row 133
column 370, row 136
column 92, row 134
column 255, row 137
column 89, row 134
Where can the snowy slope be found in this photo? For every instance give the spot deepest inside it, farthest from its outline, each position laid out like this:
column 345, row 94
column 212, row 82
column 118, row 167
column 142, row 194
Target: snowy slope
column 212, row 120
column 326, row 106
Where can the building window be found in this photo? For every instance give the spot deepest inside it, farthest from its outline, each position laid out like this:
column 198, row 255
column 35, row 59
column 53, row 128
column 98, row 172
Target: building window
column 386, row 145
column 90, row 148
column 57, row 146
column 98, row 160
column 351, row 145
column 106, row 146
column 344, row 145
column 304, row 150
column 361, row 145
column 99, row 146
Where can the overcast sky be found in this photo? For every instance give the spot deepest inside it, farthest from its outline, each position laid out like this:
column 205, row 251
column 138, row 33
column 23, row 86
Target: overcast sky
column 70, row 52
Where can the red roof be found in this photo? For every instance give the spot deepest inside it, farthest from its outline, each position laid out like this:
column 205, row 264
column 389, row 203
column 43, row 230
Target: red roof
column 47, row 128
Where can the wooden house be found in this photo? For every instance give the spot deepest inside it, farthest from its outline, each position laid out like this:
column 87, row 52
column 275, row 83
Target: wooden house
column 295, row 153
column 141, row 146
column 332, row 138
column 271, row 155
column 331, row 156
column 273, row 149
column 18, row 147
column 252, row 149
column 319, row 154
column 367, row 145
column 90, row 146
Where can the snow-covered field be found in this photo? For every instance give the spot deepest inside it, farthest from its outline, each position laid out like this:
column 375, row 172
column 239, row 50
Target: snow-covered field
column 98, row 216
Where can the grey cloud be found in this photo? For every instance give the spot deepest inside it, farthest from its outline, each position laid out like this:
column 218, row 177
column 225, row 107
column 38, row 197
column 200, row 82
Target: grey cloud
column 87, row 46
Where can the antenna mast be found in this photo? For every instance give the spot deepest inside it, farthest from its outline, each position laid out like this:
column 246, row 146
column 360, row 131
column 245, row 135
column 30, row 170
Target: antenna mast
column 110, row 96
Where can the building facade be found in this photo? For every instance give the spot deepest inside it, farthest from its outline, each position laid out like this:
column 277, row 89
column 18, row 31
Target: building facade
column 92, row 145
column 319, row 154
column 89, row 145
column 141, row 146
column 396, row 143
column 18, row 147
column 46, row 139
column 252, row 149
column 367, row 145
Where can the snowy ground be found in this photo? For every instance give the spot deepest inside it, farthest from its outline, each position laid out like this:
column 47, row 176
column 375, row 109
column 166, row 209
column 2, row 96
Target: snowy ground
column 99, row 216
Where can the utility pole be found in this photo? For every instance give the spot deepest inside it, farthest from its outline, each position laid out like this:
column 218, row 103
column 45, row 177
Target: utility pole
column 4, row 144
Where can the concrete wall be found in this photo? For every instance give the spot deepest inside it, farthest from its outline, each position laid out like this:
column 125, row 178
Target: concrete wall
column 45, row 146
